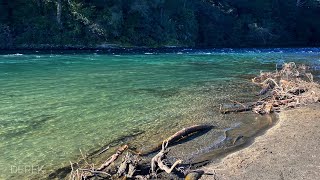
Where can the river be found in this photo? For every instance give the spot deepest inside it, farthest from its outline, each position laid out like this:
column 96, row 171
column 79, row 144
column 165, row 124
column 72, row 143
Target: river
column 53, row 104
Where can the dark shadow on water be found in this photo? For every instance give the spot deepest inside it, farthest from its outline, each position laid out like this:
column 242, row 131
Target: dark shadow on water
column 31, row 125
column 121, row 140
column 102, row 86
column 203, row 65
column 7, row 95
column 158, row 92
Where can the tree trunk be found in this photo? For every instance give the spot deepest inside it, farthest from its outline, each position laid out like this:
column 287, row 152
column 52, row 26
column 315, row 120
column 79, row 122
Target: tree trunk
column 59, row 11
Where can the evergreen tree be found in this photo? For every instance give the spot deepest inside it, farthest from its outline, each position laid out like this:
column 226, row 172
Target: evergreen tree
column 154, row 23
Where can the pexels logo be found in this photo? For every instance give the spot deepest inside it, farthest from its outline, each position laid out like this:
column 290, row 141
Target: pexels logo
column 27, row 169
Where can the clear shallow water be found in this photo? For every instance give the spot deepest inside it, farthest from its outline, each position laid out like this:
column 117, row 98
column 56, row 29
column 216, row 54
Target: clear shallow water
column 52, row 105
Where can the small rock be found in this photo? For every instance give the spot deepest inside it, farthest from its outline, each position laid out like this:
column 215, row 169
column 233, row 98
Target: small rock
column 194, row 175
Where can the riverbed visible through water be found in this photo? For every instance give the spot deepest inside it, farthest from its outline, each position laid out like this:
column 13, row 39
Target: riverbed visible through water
column 54, row 104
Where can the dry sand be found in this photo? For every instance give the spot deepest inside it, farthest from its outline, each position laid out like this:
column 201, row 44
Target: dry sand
column 289, row 150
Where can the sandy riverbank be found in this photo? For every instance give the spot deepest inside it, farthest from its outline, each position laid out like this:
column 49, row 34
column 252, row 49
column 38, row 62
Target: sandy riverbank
column 289, row 150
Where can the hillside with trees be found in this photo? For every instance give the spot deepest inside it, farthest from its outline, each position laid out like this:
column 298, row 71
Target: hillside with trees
column 158, row 23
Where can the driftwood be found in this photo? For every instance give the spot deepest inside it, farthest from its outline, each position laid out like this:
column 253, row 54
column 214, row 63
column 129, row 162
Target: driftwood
column 178, row 136
column 185, row 132
column 91, row 172
column 94, row 172
column 129, row 167
column 231, row 110
column 158, row 160
column 237, row 107
column 113, row 158
column 288, row 88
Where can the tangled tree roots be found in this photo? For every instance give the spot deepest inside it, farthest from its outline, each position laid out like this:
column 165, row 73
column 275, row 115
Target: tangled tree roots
column 131, row 166
column 159, row 160
column 288, row 88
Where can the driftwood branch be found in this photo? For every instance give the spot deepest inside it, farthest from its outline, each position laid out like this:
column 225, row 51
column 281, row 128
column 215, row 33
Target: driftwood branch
column 289, row 88
column 113, row 158
column 178, row 136
column 128, row 166
column 242, row 109
column 94, row 172
column 237, row 107
column 157, row 160
column 186, row 132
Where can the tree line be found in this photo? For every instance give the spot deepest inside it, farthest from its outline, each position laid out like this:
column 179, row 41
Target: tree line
column 157, row 23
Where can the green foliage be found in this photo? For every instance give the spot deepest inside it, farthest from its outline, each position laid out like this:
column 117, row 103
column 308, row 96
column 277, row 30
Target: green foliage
column 154, row 23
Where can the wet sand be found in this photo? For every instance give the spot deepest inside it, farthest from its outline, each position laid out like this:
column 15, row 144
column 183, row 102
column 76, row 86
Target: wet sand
column 288, row 150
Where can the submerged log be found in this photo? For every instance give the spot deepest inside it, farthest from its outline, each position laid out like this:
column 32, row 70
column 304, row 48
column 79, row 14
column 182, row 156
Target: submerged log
column 238, row 107
column 178, row 136
column 243, row 109
column 186, row 132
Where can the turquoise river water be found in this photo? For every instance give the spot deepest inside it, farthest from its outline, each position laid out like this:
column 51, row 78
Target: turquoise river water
column 54, row 104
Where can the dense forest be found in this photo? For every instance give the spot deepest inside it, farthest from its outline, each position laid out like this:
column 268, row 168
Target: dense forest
column 158, row 23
